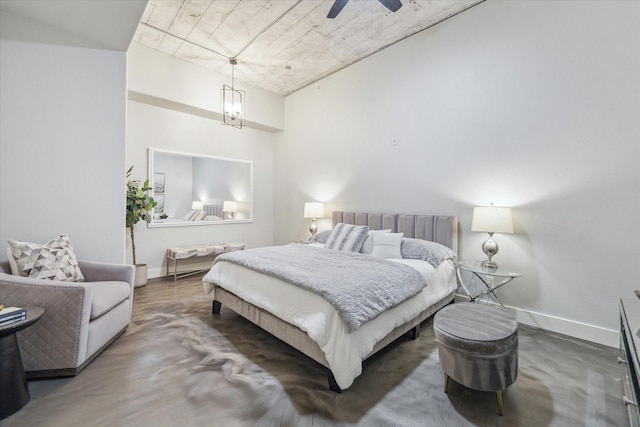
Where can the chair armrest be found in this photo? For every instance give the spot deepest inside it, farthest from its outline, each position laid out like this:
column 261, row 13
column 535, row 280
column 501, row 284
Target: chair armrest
column 94, row 271
column 62, row 332
column 12, row 283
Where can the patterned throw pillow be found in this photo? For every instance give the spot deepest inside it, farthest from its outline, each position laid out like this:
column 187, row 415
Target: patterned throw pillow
column 54, row 260
column 347, row 237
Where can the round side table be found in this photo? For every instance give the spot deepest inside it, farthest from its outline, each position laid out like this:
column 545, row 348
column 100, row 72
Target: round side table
column 486, row 277
column 13, row 381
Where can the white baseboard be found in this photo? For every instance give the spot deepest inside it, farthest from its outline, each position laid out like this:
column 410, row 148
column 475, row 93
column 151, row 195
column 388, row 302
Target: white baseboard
column 162, row 272
column 154, row 273
column 596, row 334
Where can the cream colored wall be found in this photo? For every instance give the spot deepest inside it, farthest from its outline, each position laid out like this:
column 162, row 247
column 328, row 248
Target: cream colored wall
column 534, row 105
column 158, row 124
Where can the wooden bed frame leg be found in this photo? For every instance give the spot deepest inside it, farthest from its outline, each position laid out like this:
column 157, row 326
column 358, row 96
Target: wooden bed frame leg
column 333, row 385
column 415, row 332
column 215, row 308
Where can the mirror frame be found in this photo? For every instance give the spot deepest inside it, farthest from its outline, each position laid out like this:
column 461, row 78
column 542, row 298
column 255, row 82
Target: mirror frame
column 151, row 171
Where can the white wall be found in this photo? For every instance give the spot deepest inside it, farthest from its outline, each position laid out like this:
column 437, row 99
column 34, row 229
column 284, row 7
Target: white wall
column 177, row 83
column 534, row 105
column 189, row 128
column 62, row 146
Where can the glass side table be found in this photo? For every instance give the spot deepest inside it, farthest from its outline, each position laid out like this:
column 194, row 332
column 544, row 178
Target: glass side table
column 504, row 274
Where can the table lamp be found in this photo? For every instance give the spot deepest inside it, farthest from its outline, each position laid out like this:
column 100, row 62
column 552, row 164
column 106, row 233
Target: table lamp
column 313, row 210
column 491, row 219
column 231, row 207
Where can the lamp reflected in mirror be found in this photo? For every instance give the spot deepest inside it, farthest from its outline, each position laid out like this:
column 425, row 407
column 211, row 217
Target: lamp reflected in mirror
column 230, row 207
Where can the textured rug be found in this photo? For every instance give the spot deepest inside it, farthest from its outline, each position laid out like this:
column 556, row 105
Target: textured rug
column 179, row 365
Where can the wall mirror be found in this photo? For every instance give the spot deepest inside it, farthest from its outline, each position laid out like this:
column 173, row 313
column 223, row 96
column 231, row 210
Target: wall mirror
column 195, row 189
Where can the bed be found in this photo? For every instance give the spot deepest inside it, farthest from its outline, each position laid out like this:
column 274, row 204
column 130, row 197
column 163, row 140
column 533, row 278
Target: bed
column 206, row 213
column 313, row 325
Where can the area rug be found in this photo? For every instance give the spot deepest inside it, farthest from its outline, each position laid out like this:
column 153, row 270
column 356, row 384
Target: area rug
column 180, row 365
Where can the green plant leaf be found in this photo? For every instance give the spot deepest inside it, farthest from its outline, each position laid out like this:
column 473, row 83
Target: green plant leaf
column 139, row 205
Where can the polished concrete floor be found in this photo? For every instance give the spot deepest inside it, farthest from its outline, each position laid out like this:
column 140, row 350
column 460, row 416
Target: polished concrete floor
column 179, row 365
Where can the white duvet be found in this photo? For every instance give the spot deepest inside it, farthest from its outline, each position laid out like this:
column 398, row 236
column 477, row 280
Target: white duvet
column 313, row 314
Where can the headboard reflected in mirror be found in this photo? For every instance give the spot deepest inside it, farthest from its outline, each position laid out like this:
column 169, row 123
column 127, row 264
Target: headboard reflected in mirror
column 197, row 189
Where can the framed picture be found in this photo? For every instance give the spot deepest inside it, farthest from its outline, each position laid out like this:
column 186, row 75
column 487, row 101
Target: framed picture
column 158, row 183
column 160, row 206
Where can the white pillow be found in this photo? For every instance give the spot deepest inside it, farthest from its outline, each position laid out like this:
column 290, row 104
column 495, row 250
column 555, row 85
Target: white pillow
column 367, row 246
column 386, row 245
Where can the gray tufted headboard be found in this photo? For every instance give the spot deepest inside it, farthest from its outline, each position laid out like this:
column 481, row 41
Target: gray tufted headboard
column 436, row 228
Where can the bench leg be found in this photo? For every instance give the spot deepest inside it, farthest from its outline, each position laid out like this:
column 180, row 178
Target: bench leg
column 175, row 270
column 215, row 308
column 446, row 382
column 499, row 396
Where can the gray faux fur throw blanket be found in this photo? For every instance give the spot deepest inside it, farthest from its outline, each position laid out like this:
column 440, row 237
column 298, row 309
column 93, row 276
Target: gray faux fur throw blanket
column 359, row 286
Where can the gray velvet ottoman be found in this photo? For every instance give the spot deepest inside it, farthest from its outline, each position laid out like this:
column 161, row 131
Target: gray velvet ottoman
column 478, row 346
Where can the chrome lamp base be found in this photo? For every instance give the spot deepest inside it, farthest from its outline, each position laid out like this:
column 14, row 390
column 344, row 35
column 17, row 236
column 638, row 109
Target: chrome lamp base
column 490, row 248
column 489, row 266
column 313, row 228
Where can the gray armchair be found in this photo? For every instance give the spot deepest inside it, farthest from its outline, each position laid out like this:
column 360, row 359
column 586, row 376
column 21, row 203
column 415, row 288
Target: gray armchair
column 81, row 318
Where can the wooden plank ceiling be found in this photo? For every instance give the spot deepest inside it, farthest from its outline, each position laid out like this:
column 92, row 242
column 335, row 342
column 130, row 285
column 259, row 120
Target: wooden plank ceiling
column 283, row 45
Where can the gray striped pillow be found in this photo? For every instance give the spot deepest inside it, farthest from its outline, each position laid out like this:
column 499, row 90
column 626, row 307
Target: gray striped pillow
column 347, row 237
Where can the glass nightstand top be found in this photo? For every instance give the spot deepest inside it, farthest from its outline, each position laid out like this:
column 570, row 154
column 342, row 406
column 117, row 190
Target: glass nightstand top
column 502, row 271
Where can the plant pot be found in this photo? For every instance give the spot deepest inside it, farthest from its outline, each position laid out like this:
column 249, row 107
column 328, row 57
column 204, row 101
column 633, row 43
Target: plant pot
column 141, row 276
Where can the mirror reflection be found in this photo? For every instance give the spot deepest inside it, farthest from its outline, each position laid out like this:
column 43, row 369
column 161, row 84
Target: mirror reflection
column 194, row 189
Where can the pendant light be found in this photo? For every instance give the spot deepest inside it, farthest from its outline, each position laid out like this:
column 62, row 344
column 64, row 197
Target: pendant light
column 232, row 101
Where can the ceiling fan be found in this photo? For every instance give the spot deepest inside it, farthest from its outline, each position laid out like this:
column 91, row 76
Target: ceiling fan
column 338, row 5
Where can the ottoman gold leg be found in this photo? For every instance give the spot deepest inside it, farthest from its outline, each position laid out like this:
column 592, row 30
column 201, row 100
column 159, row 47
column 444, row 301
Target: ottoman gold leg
column 446, row 382
column 499, row 396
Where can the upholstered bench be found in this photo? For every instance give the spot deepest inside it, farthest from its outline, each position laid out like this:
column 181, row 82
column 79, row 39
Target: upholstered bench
column 478, row 346
column 184, row 252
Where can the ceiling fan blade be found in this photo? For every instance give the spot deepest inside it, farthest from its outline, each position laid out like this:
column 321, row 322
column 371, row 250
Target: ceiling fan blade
column 392, row 5
column 338, row 5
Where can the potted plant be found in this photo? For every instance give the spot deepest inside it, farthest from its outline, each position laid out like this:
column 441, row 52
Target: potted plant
column 139, row 207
